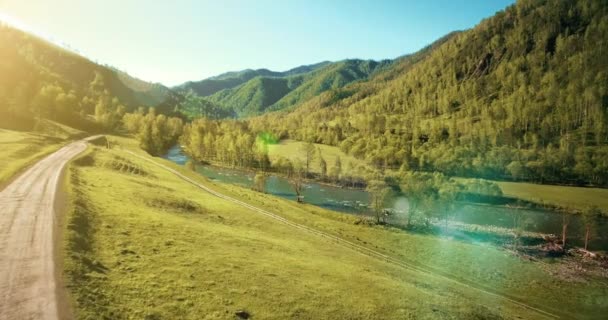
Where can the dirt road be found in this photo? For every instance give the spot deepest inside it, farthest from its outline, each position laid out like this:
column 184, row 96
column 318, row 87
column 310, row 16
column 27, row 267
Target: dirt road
column 28, row 286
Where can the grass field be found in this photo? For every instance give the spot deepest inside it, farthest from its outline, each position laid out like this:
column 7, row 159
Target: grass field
column 21, row 149
column 142, row 244
column 563, row 196
column 293, row 150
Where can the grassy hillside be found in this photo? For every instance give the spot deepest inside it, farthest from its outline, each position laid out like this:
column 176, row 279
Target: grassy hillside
column 563, row 196
column 521, row 96
column 274, row 93
column 38, row 78
column 21, row 149
column 294, row 151
column 142, row 243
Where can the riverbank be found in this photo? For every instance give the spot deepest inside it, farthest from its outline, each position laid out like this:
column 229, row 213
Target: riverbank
column 354, row 201
column 554, row 197
column 147, row 244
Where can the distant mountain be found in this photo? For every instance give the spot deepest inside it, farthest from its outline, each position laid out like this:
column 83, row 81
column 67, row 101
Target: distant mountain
column 276, row 91
column 232, row 79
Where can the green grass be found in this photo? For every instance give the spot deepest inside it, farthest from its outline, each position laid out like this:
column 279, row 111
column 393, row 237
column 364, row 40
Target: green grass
column 21, row 149
column 142, row 244
column 563, row 196
column 292, row 150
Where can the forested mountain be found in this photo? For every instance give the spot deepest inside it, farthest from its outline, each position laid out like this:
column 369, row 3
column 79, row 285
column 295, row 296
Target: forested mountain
column 265, row 93
column 523, row 96
column 229, row 80
column 40, row 79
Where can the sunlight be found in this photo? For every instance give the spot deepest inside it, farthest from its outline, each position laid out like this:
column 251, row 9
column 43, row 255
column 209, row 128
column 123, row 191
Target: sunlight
column 17, row 23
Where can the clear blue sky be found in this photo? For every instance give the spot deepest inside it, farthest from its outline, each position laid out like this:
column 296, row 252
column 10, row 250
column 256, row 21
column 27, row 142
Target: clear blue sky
column 175, row 41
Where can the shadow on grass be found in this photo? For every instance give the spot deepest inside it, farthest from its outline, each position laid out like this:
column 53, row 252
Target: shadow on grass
column 83, row 272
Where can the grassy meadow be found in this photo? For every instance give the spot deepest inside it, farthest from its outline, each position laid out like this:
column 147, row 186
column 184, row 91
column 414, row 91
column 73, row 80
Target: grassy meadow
column 293, row 150
column 143, row 244
column 563, row 196
column 21, row 149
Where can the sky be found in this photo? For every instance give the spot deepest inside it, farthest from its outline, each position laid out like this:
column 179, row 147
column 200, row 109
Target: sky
column 172, row 42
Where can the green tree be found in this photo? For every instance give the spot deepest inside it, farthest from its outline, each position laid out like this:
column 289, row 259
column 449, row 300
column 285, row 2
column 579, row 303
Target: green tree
column 379, row 191
column 190, row 165
column 516, row 169
column 259, row 181
column 309, row 154
column 322, row 165
column 297, row 180
column 591, row 217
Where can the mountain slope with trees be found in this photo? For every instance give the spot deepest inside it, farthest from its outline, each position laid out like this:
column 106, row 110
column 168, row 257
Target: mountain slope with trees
column 522, row 96
column 228, row 80
column 41, row 80
column 265, row 93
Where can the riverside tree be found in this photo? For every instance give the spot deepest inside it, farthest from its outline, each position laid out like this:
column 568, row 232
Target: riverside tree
column 297, row 180
column 309, row 155
column 155, row 133
column 259, row 181
column 591, row 217
column 379, row 191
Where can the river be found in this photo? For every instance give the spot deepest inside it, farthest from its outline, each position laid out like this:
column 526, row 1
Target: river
column 354, row 201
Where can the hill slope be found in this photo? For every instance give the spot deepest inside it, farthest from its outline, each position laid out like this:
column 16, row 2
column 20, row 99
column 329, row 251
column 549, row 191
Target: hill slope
column 266, row 93
column 128, row 248
column 230, row 80
column 521, row 96
column 38, row 78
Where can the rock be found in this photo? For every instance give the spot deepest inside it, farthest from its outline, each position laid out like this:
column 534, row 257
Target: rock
column 242, row 314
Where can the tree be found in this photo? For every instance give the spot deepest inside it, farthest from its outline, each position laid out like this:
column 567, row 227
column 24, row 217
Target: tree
column 446, row 202
column 516, row 169
column 590, row 217
column 336, row 170
column 420, row 192
column 322, row 164
column 309, row 154
column 297, row 181
column 259, row 182
column 565, row 222
column 520, row 222
column 379, row 191
column 190, row 165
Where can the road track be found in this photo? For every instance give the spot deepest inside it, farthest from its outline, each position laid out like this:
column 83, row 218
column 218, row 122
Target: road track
column 28, row 222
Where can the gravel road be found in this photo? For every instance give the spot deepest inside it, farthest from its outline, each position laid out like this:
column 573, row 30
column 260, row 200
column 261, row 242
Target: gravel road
column 28, row 221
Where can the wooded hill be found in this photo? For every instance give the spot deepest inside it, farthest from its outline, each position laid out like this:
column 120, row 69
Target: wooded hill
column 228, row 80
column 522, row 96
column 253, row 92
column 41, row 79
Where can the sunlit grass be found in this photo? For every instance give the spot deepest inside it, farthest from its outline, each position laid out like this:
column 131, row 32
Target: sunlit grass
column 150, row 245
column 21, row 149
column 292, row 150
column 570, row 197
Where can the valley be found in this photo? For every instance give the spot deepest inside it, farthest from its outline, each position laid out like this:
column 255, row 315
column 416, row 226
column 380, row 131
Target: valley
column 176, row 221
column 462, row 178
